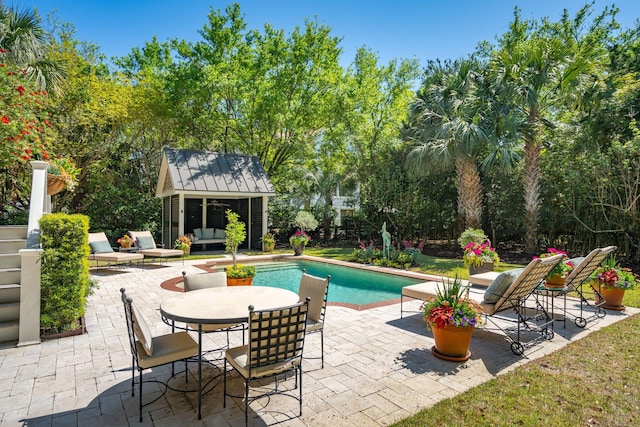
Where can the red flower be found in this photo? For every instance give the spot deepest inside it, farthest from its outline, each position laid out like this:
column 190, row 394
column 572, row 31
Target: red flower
column 5, row 120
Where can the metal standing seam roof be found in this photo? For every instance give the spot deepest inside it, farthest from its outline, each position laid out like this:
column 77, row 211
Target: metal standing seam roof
column 212, row 172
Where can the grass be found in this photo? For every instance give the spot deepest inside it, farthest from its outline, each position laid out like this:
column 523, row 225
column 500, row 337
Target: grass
column 590, row 382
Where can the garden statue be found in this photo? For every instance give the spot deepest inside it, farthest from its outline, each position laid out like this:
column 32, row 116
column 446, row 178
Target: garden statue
column 386, row 241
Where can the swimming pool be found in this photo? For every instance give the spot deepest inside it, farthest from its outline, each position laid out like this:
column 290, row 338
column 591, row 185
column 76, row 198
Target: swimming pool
column 348, row 285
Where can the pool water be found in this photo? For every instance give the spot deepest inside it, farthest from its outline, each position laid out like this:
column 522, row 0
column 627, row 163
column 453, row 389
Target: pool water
column 348, row 285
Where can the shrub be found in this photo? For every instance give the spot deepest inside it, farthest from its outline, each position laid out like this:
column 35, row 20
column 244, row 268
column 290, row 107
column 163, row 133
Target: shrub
column 65, row 279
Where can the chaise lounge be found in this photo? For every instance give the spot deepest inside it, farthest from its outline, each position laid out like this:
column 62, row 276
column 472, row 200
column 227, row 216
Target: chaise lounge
column 101, row 250
column 147, row 246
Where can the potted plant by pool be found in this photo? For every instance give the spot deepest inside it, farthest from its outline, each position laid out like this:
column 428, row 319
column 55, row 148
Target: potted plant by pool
column 184, row 244
column 478, row 254
column 610, row 281
column 451, row 316
column 298, row 241
column 240, row 275
column 268, row 242
column 557, row 277
column 236, row 234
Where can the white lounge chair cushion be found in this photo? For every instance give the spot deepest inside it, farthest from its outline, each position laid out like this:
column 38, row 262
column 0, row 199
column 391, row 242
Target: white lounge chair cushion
column 500, row 285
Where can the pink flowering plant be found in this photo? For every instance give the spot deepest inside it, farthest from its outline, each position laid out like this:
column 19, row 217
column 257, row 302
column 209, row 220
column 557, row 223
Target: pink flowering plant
column 563, row 268
column 476, row 254
column 300, row 237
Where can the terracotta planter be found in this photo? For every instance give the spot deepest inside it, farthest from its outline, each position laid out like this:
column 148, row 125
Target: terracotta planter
column 298, row 249
column 555, row 281
column 245, row 281
column 611, row 297
column 452, row 342
column 483, row 268
column 186, row 251
column 55, row 184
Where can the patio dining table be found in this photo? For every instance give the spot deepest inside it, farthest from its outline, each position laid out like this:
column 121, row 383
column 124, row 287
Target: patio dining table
column 223, row 305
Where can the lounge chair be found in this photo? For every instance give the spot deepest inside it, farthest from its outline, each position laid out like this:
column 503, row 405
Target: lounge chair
column 147, row 246
column 101, row 250
column 575, row 281
column 509, row 291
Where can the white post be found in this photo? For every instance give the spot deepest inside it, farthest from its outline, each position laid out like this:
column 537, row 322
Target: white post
column 265, row 222
column 37, row 202
column 29, row 328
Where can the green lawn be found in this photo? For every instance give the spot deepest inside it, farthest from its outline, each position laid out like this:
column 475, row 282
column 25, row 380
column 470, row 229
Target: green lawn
column 591, row 382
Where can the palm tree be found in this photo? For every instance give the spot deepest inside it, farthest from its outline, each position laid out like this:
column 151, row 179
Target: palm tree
column 538, row 67
column 25, row 43
column 444, row 121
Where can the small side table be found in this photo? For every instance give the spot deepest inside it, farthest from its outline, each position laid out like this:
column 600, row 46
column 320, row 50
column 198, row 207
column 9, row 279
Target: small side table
column 550, row 293
column 129, row 249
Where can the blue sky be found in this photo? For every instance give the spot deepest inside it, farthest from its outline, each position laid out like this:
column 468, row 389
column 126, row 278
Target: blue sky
column 426, row 29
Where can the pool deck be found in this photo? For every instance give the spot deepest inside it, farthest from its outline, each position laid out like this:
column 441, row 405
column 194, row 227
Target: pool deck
column 378, row 367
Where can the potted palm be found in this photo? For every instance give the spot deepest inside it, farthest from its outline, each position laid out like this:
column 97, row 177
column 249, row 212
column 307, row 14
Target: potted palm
column 236, row 233
column 610, row 281
column 451, row 316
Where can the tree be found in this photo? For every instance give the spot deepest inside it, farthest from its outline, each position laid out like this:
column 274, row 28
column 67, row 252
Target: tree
column 539, row 66
column 236, row 233
column 444, row 124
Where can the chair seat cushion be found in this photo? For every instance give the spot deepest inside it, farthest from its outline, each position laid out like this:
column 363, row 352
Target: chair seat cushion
column 237, row 357
column 166, row 349
column 159, row 253
column 499, row 286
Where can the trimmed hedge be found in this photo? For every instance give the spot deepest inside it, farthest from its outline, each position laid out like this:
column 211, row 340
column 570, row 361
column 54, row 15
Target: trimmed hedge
column 65, row 271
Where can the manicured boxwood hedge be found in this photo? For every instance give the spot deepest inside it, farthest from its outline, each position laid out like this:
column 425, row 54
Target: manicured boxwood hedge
column 65, row 276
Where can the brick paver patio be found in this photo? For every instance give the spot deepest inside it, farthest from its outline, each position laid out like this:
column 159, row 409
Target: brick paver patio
column 378, row 367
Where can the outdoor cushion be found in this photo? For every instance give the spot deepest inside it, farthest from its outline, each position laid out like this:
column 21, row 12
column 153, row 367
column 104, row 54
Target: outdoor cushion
column 145, row 242
column 142, row 331
column 207, row 233
column 198, row 233
column 101, row 247
column 499, row 286
column 219, row 234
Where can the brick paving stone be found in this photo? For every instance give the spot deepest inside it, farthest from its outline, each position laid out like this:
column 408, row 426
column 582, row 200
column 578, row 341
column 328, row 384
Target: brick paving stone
column 378, row 367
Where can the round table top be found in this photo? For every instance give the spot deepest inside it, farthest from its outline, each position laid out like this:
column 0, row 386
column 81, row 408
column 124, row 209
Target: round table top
column 227, row 304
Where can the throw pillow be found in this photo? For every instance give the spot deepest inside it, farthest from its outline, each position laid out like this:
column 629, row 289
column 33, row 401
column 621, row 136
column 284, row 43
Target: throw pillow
column 145, row 242
column 219, row 234
column 207, row 233
column 101, row 247
column 198, row 233
column 500, row 285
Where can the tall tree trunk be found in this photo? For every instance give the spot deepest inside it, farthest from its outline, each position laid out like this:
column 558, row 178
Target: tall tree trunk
column 469, row 192
column 532, row 184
